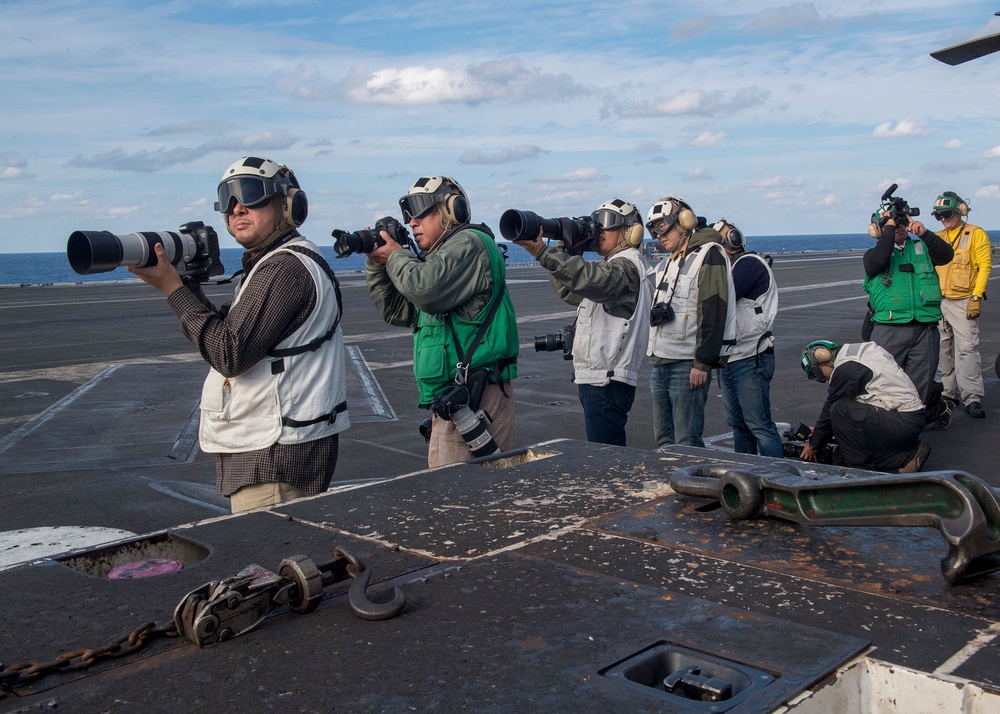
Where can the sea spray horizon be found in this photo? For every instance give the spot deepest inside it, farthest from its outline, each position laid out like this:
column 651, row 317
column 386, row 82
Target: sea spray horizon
column 27, row 269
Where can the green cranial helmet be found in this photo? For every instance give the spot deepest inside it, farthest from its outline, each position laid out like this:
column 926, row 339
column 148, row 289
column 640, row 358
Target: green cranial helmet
column 816, row 353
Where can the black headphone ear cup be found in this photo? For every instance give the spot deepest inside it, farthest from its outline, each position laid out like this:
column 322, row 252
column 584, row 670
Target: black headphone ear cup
column 634, row 234
column 687, row 220
column 458, row 207
column 296, row 207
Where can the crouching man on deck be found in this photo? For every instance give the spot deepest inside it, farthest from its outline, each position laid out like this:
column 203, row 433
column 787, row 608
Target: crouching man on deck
column 871, row 407
column 274, row 402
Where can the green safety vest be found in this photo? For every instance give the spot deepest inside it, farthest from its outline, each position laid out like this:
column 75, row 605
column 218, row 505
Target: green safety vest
column 435, row 354
column 908, row 295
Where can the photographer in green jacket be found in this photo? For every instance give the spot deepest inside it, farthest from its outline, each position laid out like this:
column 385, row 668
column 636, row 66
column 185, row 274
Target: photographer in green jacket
column 454, row 295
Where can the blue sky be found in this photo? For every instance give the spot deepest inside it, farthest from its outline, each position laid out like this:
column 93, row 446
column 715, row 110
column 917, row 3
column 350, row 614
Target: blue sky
column 784, row 118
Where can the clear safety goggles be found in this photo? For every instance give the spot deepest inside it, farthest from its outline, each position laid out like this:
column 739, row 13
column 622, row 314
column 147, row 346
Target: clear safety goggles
column 249, row 191
column 661, row 226
column 416, row 205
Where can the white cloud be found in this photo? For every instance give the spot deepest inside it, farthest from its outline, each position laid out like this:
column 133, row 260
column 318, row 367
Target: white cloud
column 991, row 191
column 953, row 144
column 802, row 16
column 708, row 138
column 502, row 156
column 13, row 168
column 698, row 173
column 691, row 102
column 903, row 127
column 992, row 153
column 589, row 173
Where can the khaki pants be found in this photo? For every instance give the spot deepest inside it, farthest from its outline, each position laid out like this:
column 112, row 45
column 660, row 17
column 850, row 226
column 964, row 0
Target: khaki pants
column 959, row 368
column 258, row 495
column 448, row 447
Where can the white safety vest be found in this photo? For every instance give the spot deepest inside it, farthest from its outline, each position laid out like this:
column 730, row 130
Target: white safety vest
column 889, row 387
column 286, row 397
column 677, row 284
column 608, row 348
column 755, row 318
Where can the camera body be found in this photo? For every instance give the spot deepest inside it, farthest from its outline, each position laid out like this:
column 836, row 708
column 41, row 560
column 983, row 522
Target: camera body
column 553, row 341
column 367, row 240
column 576, row 234
column 892, row 207
column 193, row 250
column 660, row 313
column 793, row 442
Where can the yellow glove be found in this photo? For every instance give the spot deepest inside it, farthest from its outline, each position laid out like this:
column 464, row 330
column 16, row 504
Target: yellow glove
column 975, row 307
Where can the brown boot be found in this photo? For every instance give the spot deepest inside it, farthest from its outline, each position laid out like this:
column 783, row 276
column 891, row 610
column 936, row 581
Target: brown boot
column 918, row 459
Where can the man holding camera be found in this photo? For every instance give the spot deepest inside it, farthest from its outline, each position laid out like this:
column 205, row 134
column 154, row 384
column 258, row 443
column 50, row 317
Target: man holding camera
column 872, row 408
column 454, row 295
column 691, row 320
column 963, row 287
column 613, row 297
column 746, row 378
column 905, row 296
column 274, row 401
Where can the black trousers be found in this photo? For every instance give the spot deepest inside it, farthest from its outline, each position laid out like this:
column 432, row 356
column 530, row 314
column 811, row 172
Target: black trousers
column 873, row 438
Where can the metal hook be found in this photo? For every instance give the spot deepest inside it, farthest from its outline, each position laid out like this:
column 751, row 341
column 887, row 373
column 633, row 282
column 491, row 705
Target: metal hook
column 363, row 607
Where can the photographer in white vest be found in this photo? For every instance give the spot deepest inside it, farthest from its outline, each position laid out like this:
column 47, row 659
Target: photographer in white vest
column 274, row 401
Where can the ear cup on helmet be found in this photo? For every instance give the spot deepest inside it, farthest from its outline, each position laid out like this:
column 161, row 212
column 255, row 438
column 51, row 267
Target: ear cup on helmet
column 457, row 207
column 632, row 235
column 686, row 219
column 822, row 355
column 874, row 230
column 295, row 207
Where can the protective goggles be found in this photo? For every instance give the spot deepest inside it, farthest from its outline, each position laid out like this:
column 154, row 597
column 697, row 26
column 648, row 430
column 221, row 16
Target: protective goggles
column 416, row 205
column 661, row 226
column 249, row 191
column 609, row 220
column 943, row 215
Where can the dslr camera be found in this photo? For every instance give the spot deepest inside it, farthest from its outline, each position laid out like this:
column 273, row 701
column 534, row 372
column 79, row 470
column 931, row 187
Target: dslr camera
column 194, row 251
column 793, row 442
column 553, row 341
column 576, row 234
column 892, row 207
column 367, row 240
column 660, row 314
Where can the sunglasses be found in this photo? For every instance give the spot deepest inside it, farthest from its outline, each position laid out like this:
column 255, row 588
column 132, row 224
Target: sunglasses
column 249, row 191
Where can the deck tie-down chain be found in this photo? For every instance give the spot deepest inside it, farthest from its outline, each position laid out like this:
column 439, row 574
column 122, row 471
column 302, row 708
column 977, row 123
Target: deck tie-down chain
column 963, row 507
column 220, row 610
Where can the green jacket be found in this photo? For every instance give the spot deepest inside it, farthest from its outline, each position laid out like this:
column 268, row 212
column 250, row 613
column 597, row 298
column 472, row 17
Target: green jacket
column 909, row 290
column 446, row 296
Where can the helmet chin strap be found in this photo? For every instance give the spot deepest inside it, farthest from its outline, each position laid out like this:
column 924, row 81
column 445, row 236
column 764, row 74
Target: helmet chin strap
column 281, row 227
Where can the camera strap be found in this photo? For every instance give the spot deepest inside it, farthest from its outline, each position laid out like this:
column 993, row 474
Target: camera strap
column 680, row 269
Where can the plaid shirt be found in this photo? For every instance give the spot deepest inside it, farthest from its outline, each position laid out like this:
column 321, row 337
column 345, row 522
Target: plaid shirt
column 233, row 339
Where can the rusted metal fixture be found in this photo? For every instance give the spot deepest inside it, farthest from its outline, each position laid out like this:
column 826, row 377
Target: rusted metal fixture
column 961, row 506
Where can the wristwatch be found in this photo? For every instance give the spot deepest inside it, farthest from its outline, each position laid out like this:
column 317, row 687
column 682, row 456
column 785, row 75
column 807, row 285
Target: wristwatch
column 975, row 298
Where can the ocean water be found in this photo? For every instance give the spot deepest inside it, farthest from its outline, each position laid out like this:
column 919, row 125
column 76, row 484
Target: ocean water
column 53, row 268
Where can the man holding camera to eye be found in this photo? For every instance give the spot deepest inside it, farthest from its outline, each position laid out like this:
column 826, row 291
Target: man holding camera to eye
column 746, row 378
column 274, row 401
column 691, row 320
column 613, row 297
column 454, row 295
column 905, row 297
column 963, row 287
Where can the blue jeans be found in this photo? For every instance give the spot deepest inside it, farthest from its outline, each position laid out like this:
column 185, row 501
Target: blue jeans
column 605, row 411
column 746, row 399
column 678, row 410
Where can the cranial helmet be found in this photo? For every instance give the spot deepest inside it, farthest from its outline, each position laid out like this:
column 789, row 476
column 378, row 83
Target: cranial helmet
column 253, row 182
column 441, row 191
column 617, row 213
column 816, row 353
column 732, row 236
column 670, row 210
column 948, row 203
